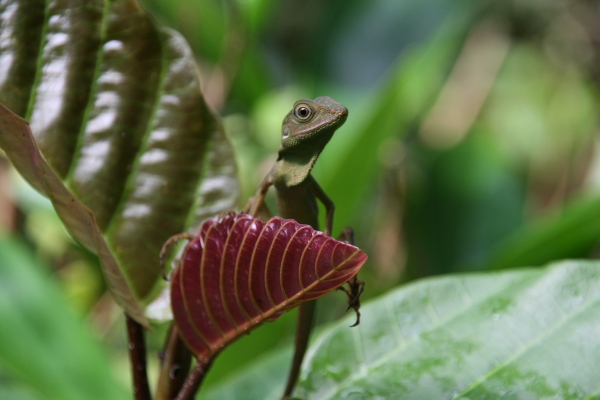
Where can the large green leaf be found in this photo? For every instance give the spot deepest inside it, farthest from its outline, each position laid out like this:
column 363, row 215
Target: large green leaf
column 524, row 334
column 42, row 342
column 130, row 153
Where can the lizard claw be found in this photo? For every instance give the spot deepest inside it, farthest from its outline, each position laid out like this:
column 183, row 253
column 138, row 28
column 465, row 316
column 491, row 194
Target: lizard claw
column 356, row 288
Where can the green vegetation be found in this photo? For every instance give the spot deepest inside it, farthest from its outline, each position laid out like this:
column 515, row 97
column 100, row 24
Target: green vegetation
column 469, row 154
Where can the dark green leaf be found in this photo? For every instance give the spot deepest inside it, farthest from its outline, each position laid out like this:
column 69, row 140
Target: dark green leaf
column 133, row 154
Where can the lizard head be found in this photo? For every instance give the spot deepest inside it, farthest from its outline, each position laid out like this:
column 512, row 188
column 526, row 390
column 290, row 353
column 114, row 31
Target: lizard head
column 306, row 130
column 312, row 122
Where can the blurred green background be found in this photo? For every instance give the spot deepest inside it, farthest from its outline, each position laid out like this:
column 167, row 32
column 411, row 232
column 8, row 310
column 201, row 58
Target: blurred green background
column 471, row 145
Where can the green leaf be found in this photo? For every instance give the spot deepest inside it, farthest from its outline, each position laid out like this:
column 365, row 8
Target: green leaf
column 568, row 233
column 525, row 334
column 9, row 392
column 131, row 153
column 42, row 343
column 265, row 379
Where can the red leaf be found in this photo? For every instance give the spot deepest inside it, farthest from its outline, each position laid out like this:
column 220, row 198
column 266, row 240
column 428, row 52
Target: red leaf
column 240, row 272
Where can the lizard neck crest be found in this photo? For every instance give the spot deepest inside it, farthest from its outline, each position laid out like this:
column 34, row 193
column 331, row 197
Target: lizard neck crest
column 305, row 132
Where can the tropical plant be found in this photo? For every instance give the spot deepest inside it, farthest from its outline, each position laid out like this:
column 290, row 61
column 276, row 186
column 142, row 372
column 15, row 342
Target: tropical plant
column 469, row 154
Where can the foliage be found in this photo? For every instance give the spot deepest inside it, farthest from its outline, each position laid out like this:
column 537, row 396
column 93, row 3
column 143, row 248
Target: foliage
column 51, row 351
column 125, row 147
column 519, row 334
column 240, row 272
column 470, row 145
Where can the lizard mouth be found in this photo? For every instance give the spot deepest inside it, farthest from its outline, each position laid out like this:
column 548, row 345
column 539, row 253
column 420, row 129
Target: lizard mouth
column 315, row 129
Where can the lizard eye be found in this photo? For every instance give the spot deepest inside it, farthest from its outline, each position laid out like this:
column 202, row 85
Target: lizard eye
column 303, row 112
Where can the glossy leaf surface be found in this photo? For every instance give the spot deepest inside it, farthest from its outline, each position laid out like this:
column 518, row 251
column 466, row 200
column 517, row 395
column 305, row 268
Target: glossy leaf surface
column 240, row 272
column 524, row 334
column 130, row 153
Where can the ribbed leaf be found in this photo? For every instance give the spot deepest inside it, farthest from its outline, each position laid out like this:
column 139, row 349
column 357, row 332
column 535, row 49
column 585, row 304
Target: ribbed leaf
column 240, row 272
column 130, row 154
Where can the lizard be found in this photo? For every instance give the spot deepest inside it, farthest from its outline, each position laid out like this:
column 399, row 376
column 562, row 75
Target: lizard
column 306, row 129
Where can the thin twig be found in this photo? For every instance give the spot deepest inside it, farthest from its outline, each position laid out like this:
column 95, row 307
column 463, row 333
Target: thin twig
column 137, row 358
column 193, row 381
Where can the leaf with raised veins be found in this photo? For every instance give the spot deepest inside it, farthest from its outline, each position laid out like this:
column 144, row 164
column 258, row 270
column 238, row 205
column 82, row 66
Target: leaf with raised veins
column 121, row 139
column 240, row 272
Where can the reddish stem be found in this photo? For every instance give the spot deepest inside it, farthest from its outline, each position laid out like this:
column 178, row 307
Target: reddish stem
column 137, row 358
column 194, row 379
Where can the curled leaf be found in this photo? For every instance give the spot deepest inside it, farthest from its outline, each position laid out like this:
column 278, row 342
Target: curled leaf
column 240, row 272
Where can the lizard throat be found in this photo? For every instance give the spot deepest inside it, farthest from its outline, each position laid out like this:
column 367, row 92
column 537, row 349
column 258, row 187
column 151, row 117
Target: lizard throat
column 295, row 163
column 292, row 171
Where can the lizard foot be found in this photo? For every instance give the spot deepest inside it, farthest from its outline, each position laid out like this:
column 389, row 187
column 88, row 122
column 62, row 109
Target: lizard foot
column 354, row 291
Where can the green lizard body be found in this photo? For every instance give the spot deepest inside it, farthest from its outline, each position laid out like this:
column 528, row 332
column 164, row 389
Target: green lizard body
column 305, row 132
column 306, row 129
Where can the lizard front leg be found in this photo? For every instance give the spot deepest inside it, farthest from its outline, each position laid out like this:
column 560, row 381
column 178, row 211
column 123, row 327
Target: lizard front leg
column 320, row 194
column 256, row 205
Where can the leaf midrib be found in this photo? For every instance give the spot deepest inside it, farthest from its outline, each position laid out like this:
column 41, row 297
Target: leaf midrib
column 362, row 372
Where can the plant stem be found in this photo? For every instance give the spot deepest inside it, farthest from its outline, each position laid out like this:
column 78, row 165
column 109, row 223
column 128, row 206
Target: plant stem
column 137, row 358
column 176, row 361
column 194, row 379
